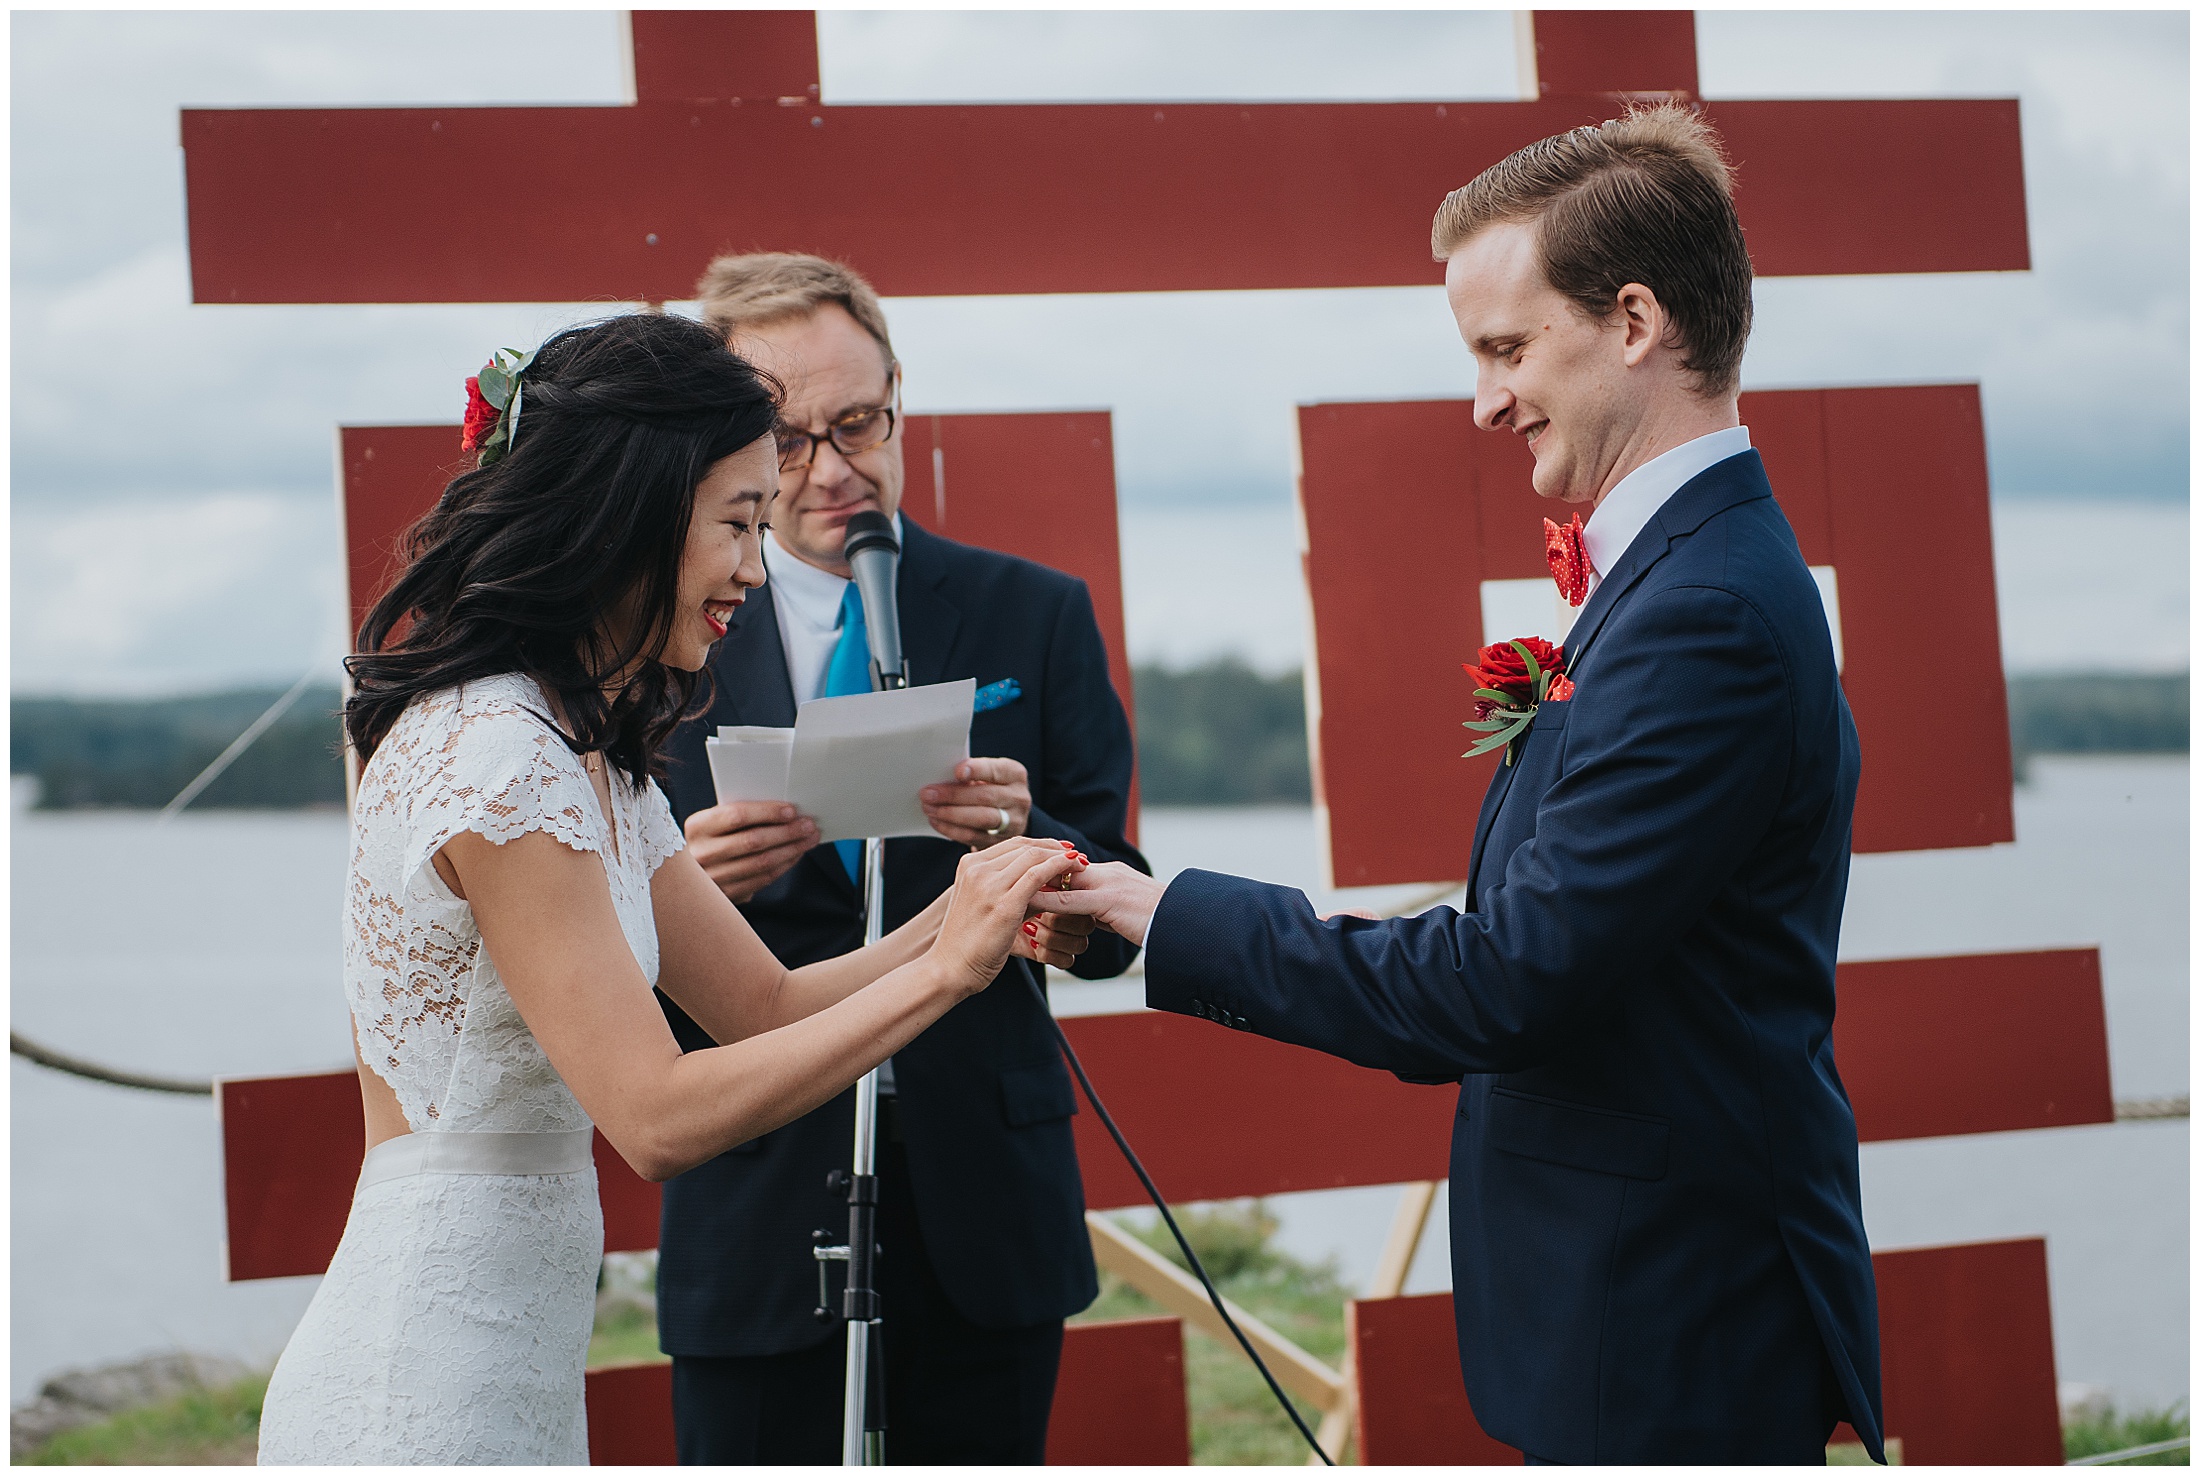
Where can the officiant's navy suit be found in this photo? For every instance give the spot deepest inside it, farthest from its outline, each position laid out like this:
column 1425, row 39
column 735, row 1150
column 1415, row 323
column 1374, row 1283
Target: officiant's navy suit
column 1657, row 1236
column 983, row 1101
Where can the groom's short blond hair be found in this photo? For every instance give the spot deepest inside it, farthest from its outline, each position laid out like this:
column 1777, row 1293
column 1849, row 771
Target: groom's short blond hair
column 1647, row 198
column 762, row 287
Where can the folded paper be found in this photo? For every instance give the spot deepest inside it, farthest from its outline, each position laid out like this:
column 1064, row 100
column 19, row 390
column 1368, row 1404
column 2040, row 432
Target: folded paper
column 853, row 764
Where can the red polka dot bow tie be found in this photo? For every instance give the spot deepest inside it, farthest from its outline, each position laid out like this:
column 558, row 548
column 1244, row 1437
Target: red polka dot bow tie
column 1569, row 558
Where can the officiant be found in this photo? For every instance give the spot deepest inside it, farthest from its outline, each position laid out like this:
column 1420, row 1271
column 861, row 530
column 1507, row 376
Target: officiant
column 982, row 1216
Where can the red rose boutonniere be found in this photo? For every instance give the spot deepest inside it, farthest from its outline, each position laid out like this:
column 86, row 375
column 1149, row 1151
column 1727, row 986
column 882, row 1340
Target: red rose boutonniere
column 1511, row 681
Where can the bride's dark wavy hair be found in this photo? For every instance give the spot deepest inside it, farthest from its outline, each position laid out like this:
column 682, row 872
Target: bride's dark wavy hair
column 519, row 562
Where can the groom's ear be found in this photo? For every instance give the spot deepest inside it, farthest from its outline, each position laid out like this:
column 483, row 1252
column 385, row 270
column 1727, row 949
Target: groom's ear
column 1643, row 325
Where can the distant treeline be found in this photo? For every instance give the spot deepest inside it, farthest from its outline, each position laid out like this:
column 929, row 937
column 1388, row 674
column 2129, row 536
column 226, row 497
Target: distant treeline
column 141, row 754
column 1218, row 734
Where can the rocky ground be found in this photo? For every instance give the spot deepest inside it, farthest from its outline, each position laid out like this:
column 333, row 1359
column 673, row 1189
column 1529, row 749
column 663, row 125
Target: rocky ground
column 82, row 1397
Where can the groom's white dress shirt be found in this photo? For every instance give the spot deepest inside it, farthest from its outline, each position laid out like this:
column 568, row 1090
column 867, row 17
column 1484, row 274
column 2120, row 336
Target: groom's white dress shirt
column 1628, row 508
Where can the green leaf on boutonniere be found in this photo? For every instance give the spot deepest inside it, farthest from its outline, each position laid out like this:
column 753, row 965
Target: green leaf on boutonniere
column 1535, row 672
column 1487, row 745
column 1502, row 699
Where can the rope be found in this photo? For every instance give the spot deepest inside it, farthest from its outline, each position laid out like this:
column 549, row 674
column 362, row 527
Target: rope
column 236, row 747
column 2111, row 1458
column 32, row 1051
column 2147, row 1109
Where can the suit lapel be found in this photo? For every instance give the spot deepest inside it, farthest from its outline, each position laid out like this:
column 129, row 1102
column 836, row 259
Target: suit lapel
column 754, row 689
column 1737, row 479
column 1492, row 802
column 929, row 619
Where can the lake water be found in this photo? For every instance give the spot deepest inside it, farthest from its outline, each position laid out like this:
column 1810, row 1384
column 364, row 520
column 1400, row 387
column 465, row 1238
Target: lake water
column 210, row 947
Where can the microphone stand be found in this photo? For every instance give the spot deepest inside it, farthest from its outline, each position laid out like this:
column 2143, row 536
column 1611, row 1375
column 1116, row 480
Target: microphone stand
column 863, row 1409
column 875, row 557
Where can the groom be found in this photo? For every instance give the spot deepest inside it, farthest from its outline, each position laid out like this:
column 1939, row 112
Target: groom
column 1658, row 1248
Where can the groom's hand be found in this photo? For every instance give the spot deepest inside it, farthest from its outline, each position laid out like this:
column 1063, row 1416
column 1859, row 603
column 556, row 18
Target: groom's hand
column 1120, row 898
column 746, row 845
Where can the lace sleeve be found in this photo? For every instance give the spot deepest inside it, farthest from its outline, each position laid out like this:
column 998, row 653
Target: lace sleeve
column 662, row 837
column 497, row 767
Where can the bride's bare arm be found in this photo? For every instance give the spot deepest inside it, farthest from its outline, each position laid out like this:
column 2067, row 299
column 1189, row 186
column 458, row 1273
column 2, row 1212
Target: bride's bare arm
column 546, row 918
column 712, row 964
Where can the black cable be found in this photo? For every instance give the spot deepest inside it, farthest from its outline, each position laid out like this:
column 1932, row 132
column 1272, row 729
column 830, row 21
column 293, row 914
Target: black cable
column 1184, row 1245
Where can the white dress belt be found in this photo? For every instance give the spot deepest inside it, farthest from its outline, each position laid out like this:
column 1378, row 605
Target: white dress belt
column 444, row 1152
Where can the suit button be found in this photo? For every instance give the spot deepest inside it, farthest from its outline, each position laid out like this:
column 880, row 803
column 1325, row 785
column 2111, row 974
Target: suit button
column 1199, row 1007
column 1240, row 1023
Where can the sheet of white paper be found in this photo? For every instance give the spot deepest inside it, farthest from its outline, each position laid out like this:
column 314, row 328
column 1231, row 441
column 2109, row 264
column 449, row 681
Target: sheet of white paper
column 858, row 762
column 750, row 763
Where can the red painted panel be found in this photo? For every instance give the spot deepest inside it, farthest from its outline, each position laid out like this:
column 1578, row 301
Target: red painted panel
column 755, row 56
column 1615, row 51
column 1219, row 1114
column 1927, row 1047
column 1040, row 486
column 1962, row 180
column 1861, row 472
column 601, row 203
column 1997, row 1042
column 630, row 1202
column 630, row 1415
column 392, row 475
column 1788, row 428
column 1914, row 546
column 1967, row 1355
column 291, row 1149
column 1412, row 1407
column 1378, row 486
column 1119, row 1400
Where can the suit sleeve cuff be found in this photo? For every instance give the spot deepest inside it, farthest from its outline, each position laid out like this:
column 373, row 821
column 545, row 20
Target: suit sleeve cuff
column 1182, row 975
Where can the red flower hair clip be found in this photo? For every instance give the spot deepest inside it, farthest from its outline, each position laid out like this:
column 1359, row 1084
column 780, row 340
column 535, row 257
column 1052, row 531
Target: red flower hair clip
column 492, row 405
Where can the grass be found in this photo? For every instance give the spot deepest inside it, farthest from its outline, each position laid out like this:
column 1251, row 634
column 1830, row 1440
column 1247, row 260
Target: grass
column 2108, row 1430
column 209, row 1427
column 1235, row 1420
column 625, row 1333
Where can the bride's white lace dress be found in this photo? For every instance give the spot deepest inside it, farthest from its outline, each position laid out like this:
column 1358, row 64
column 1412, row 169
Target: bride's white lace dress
column 453, row 1325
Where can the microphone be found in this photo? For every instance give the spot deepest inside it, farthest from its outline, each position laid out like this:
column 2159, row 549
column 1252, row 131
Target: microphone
column 874, row 558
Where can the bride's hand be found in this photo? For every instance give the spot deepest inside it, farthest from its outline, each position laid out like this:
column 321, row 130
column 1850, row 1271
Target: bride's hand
column 1054, row 938
column 988, row 909
column 1119, row 898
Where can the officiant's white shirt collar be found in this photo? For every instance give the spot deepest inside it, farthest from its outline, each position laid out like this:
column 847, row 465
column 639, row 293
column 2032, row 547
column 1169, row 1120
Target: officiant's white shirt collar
column 1628, row 508
column 807, row 601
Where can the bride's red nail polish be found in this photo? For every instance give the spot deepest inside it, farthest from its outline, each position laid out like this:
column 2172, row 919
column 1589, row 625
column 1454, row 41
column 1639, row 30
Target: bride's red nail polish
column 1031, row 930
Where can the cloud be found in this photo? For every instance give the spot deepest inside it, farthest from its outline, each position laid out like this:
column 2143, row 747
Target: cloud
column 129, row 402
column 177, row 594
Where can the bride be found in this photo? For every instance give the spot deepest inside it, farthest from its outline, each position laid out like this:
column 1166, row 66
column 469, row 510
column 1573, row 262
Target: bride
column 517, row 885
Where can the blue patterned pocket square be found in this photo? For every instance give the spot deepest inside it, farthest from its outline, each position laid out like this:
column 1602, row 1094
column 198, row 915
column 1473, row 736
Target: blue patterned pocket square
column 999, row 694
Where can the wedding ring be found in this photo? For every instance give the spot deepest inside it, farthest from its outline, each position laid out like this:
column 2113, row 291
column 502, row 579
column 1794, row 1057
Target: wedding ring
column 1002, row 828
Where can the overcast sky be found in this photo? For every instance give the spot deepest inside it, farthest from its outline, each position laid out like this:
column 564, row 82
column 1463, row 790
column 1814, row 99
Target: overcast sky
column 173, row 521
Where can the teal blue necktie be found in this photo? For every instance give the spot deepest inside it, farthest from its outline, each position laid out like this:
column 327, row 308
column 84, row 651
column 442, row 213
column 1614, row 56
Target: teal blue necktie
column 849, row 672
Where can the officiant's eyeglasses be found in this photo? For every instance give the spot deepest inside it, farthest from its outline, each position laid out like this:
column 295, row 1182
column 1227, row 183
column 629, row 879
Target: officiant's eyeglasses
column 852, row 434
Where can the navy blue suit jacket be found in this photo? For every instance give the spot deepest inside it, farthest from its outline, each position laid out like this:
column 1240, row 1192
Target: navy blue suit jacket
column 1655, row 1217
column 985, row 1101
